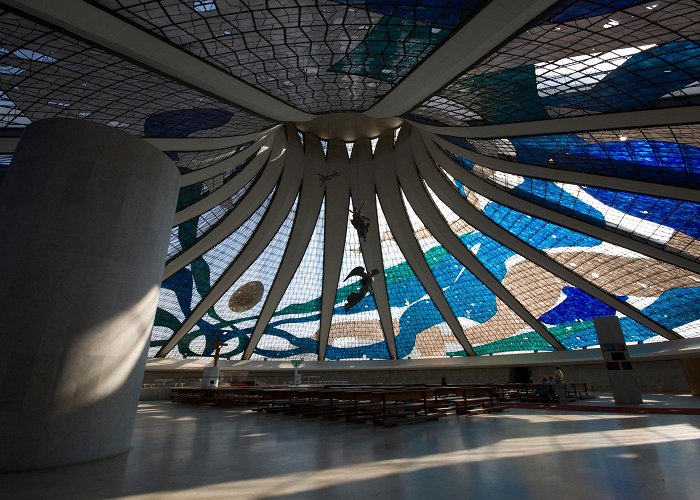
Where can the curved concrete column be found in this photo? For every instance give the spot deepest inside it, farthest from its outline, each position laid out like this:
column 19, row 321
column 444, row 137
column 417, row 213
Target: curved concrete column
column 85, row 218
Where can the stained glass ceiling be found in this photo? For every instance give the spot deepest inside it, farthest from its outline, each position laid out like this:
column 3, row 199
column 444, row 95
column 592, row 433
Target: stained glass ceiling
column 513, row 171
column 328, row 56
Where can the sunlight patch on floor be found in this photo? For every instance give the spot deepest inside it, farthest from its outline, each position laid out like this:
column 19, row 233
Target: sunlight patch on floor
column 301, row 482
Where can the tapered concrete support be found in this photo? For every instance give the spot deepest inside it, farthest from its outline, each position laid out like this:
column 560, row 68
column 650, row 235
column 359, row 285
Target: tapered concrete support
column 85, row 217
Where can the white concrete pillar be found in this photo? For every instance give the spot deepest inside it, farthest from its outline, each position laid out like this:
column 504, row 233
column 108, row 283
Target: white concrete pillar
column 85, row 218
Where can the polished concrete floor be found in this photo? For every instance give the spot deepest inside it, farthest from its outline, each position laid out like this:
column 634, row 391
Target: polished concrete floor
column 182, row 452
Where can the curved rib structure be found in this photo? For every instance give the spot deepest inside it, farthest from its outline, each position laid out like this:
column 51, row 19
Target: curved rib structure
column 517, row 169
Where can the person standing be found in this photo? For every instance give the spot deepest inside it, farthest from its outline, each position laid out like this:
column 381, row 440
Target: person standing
column 559, row 384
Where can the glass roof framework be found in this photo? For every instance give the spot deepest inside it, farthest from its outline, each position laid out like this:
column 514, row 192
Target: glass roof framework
column 624, row 274
column 470, row 300
column 665, row 222
column 233, row 315
column 422, row 330
column 322, row 56
column 47, row 74
column 668, row 155
column 560, row 227
column 357, row 332
column 581, row 57
column 293, row 332
column 195, row 160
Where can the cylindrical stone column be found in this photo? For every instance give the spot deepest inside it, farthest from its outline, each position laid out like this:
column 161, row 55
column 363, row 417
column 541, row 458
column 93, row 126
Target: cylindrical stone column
column 85, row 218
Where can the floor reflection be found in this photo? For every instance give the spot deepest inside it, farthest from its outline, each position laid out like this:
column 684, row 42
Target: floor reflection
column 189, row 452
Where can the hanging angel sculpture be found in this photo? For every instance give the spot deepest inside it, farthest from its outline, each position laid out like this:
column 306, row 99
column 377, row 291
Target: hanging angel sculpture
column 360, row 222
column 323, row 179
column 365, row 285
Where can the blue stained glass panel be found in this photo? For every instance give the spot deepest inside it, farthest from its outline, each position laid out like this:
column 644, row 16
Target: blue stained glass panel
column 676, row 308
column 680, row 215
column 652, row 74
column 644, row 217
column 439, row 13
column 357, row 332
column 650, row 161
column 578, row 306
column 421, row 329
column 536, row 232
column 579, row 58
column 484, row 317
column 404, row 36
column 293, row 329
column 673, row 161
column 232, row 321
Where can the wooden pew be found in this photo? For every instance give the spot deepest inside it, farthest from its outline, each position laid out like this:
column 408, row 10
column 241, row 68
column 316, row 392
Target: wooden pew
column 403, row 406
column 384, row 404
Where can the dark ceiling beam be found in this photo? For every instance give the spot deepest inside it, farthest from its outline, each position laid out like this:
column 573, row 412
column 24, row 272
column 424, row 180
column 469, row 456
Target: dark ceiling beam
column 193, row 144
column 8, row 143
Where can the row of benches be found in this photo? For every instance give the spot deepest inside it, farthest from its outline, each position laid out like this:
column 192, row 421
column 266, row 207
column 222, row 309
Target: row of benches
column 387, row 406
column 530, row 392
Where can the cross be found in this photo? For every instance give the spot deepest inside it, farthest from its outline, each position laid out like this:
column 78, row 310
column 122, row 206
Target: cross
column 218, row 345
